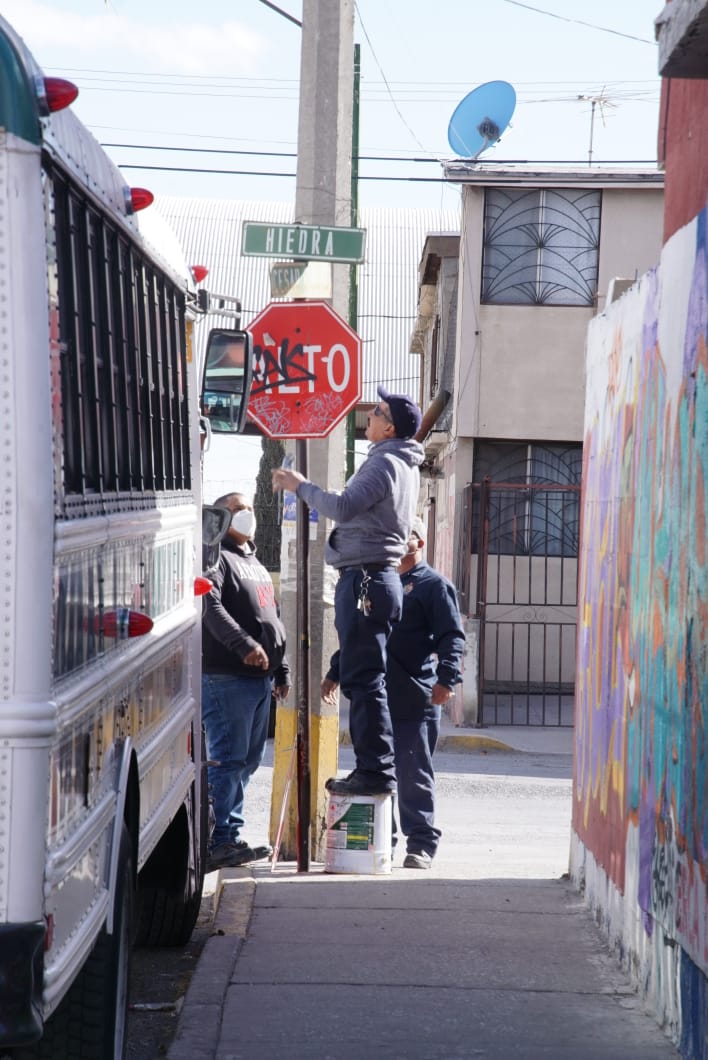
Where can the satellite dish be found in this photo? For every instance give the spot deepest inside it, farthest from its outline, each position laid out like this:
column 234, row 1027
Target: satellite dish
column 480, row 118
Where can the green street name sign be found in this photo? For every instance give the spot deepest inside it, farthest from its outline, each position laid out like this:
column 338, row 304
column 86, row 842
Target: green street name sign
column 310, row 242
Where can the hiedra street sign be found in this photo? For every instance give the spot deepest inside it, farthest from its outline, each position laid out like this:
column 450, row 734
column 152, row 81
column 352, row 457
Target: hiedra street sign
column 310, row 242
column 306, row 369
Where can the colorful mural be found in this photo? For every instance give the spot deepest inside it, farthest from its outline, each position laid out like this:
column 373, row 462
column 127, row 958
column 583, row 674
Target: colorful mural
column 641, row 783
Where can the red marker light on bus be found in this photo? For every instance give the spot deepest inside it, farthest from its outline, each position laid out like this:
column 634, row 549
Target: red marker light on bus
column 59, row 93
column 202, row 586
column 138, row 199
column 124, row 623
column 199, row 272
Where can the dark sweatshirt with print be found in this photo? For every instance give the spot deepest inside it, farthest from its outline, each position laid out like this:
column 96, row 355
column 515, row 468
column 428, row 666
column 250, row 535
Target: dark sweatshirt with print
column 241, row 613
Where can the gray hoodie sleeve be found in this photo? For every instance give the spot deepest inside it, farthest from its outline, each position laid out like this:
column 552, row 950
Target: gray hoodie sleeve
column 365, row 489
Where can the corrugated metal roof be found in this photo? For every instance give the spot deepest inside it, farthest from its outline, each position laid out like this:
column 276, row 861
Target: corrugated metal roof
column 210, row 232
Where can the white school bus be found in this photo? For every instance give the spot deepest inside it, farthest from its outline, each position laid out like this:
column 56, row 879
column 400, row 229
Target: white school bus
column 103, row 806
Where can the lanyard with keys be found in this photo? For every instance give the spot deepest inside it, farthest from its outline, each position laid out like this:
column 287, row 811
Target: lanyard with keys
column 364, row 603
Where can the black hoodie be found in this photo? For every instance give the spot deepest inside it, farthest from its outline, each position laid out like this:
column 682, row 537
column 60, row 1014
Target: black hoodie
column 241, row 613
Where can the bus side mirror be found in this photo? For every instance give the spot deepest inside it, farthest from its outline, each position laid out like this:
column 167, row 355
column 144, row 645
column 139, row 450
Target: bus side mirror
column 226, row 385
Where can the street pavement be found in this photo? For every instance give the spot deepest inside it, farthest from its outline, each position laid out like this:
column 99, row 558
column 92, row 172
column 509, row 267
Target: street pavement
column 490, row 953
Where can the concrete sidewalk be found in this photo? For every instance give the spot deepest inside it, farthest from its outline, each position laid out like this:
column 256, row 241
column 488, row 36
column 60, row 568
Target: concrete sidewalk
column 490, row 953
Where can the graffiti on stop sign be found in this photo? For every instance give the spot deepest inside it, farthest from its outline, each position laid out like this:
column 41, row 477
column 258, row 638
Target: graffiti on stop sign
column 306, row 380
column 296, row 370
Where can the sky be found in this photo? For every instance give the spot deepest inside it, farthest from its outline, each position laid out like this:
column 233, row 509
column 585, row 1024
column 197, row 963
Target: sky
column 197, row 80
column 222, row 76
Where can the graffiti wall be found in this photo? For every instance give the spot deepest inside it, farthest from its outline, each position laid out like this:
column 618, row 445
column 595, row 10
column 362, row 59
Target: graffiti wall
column 640, row 815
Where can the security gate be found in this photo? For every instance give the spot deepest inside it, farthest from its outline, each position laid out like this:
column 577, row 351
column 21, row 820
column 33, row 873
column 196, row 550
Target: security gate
column 524, row 550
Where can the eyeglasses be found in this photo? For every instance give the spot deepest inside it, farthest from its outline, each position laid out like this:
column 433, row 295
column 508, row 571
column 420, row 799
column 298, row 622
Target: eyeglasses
column 378, row 411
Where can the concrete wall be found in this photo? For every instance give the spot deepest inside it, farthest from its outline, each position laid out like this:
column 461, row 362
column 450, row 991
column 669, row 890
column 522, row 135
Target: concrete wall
column 640, row 808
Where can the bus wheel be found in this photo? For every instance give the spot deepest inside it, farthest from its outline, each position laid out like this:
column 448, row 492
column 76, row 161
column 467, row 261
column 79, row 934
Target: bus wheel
column 170, row 887
column 91, row 1021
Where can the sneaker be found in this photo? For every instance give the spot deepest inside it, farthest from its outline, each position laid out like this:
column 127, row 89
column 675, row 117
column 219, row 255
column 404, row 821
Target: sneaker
column 417, row 859
column 231, row 855
column 358, row 783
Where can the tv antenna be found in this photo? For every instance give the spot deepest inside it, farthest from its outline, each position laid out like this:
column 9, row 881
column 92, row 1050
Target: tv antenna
column 600, row 101
column 479, row 119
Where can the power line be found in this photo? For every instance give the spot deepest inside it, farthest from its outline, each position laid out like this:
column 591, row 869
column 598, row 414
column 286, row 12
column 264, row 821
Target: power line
column 383, row 75
column 361, row 158
column 419, row 180
column 264, row 154
column 235, row 81
column 579, row 22
column 290, row 18
column 262, row 173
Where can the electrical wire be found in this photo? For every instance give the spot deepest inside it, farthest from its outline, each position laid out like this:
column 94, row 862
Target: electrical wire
column 385, row 80
column 579, row 22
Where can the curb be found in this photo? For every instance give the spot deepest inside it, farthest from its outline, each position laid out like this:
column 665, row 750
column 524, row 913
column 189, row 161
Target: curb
column 472, row 743
column 199, row 1022
column 466, row 742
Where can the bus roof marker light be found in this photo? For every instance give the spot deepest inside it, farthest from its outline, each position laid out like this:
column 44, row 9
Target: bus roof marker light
column 137, row 199
column 58, row 93
column 199, row 272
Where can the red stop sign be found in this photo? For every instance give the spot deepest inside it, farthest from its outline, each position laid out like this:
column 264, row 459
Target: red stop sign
column 306, row 369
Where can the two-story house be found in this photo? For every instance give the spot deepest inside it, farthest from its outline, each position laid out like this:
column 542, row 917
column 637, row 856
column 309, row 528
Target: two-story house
column 502, row 322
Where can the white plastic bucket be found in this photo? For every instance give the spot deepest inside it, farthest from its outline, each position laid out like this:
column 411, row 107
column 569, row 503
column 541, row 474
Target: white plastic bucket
column 359, row 834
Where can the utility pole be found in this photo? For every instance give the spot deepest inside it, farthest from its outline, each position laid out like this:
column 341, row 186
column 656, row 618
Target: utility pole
column 323, row 196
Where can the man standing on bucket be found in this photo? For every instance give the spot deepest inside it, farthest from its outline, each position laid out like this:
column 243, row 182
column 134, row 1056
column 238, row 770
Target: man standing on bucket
column 373, row 516
column 424, row 663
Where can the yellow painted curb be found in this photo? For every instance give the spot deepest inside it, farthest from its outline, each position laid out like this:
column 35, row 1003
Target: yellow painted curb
column 471, row 743
column 461, row 742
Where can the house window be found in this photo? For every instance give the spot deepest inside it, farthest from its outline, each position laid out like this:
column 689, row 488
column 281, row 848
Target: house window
column 533, row 498
column 541, row 246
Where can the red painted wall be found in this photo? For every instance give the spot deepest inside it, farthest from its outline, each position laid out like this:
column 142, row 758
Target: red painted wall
column 683, row 148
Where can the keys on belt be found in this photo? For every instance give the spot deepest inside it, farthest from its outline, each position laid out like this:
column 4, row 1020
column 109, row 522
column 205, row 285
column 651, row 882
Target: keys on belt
column 363, row 603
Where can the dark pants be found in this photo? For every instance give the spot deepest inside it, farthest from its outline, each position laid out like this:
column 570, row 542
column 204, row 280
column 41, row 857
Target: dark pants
column 415, row 735
column 362, row 663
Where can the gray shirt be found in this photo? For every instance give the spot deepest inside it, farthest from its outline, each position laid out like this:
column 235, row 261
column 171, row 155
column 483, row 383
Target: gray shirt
column 375, row 511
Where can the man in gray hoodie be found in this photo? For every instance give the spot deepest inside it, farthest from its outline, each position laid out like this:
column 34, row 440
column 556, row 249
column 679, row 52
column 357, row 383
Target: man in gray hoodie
column 373, row 516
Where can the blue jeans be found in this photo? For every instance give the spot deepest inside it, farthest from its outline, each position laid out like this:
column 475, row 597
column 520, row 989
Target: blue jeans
column 415, row 735
column 235, row 712
column 362, row 664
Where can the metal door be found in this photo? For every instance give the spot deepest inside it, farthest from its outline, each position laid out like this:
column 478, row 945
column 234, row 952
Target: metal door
column 524, row 545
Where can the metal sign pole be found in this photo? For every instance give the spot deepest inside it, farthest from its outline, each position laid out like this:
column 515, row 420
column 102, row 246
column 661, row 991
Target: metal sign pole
column 302, row 581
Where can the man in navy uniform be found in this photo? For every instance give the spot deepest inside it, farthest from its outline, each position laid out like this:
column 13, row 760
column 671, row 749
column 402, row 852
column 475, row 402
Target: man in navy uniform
column 424, row 659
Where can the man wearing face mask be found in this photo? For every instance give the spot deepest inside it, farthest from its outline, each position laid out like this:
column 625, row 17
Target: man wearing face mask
column 243, row 660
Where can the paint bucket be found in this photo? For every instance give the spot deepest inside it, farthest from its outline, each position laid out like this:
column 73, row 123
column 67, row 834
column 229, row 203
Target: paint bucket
column 359, row 834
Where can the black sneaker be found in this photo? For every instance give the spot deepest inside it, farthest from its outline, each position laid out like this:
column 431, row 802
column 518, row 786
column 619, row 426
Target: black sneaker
column 417, row 859
column 358, row 783
column 231, row 855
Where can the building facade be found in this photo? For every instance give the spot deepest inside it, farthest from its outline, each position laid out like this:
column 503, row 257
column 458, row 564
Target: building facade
column 502, row 325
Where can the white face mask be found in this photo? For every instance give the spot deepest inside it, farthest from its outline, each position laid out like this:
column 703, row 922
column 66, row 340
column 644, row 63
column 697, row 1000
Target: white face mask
column 244, row 522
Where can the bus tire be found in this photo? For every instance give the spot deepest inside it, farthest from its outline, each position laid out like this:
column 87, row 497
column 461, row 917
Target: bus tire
column 168, row 913
column 91, row 1020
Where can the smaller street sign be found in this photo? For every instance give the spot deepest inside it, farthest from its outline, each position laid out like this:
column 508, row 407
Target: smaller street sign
column 283, row 277
column 310, row 242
